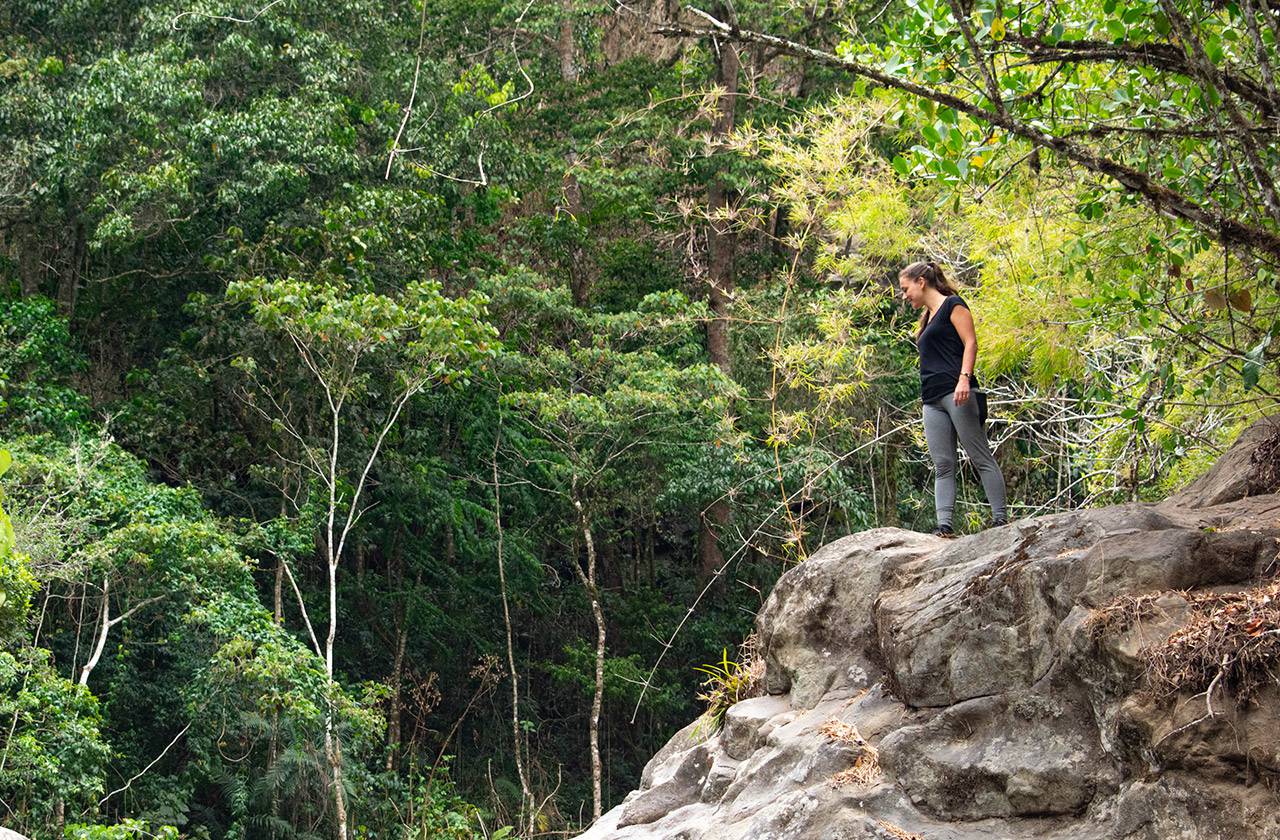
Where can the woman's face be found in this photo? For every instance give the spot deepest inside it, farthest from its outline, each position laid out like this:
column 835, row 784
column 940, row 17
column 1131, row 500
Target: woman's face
column 912, row 291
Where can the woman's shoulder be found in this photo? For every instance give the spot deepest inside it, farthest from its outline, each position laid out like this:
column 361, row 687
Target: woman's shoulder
column 953, row 301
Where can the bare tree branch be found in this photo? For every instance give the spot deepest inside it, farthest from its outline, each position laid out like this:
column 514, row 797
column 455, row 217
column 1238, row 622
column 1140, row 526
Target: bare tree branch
column 1230, row 231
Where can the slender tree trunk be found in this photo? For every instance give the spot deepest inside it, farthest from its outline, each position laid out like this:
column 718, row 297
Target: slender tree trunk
column 636, row 543
column 104, row 627
column 721, row 252
column 889, row 485
column 781, row 227
column 273, row 755
column 333, row 552
column 711, row 525
column 69, row 279
column 29, row 275
column 579, row 277
column 277, row 607
column 721, row 239
column 649, row 551
column 397, row 665
column 588, row 579
column 332, row 749
column 339, row 793
column 397, row 680
column 612, row 572
column 527, row 805
column 565, row 43
column 273, row 750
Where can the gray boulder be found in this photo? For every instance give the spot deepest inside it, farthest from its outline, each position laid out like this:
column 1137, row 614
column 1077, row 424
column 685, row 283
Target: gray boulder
column 748, row 723
column 1238, row 473
column 1014, row 754
column 816, row 629
column 992, row 687
column 682, row 786
column 980, row 616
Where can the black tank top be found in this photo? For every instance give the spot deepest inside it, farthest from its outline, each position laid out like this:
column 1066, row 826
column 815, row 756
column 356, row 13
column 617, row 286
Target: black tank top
column 941, row 353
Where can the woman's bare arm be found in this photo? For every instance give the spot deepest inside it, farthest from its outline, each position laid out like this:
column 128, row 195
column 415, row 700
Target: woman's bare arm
column 962, row 320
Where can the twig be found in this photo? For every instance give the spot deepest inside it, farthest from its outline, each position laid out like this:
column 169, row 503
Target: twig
column 173, row 24
column 413, row 91
column 144, row 770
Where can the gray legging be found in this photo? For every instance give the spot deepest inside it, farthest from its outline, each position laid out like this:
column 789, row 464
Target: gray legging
column 943, row 422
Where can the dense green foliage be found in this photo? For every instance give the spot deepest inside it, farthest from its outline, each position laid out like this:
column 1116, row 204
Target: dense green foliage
column 353, row 355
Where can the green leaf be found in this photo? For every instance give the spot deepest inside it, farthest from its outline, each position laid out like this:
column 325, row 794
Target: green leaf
column 1253, row 363
column 1213, row 48
column 1250, row 375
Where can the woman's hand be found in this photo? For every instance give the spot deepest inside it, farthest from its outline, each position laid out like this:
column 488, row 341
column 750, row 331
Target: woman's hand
column 962, row 390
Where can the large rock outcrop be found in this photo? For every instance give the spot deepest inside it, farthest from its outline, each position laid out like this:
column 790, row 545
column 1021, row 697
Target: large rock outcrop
column 924, row 688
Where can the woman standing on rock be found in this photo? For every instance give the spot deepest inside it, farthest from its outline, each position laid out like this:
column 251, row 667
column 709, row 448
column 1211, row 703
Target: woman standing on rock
column 948, row 349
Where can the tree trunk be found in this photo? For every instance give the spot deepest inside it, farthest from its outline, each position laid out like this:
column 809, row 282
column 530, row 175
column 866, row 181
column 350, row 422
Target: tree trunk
column 611, row 569
column 29, row 275
column 397, row 680
column 650, row 551
column 396, row 575
column 527, row 804
column 889, row 487
column 721, row 239
column 781, row 227
column 100, row 639
column 69, row 278
column 721, row 251
column 332, row 750
column 565, row 45
column 278, row 592
column 711, row 525
column 273, row 755
column 589, row 583
column 579, row 278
